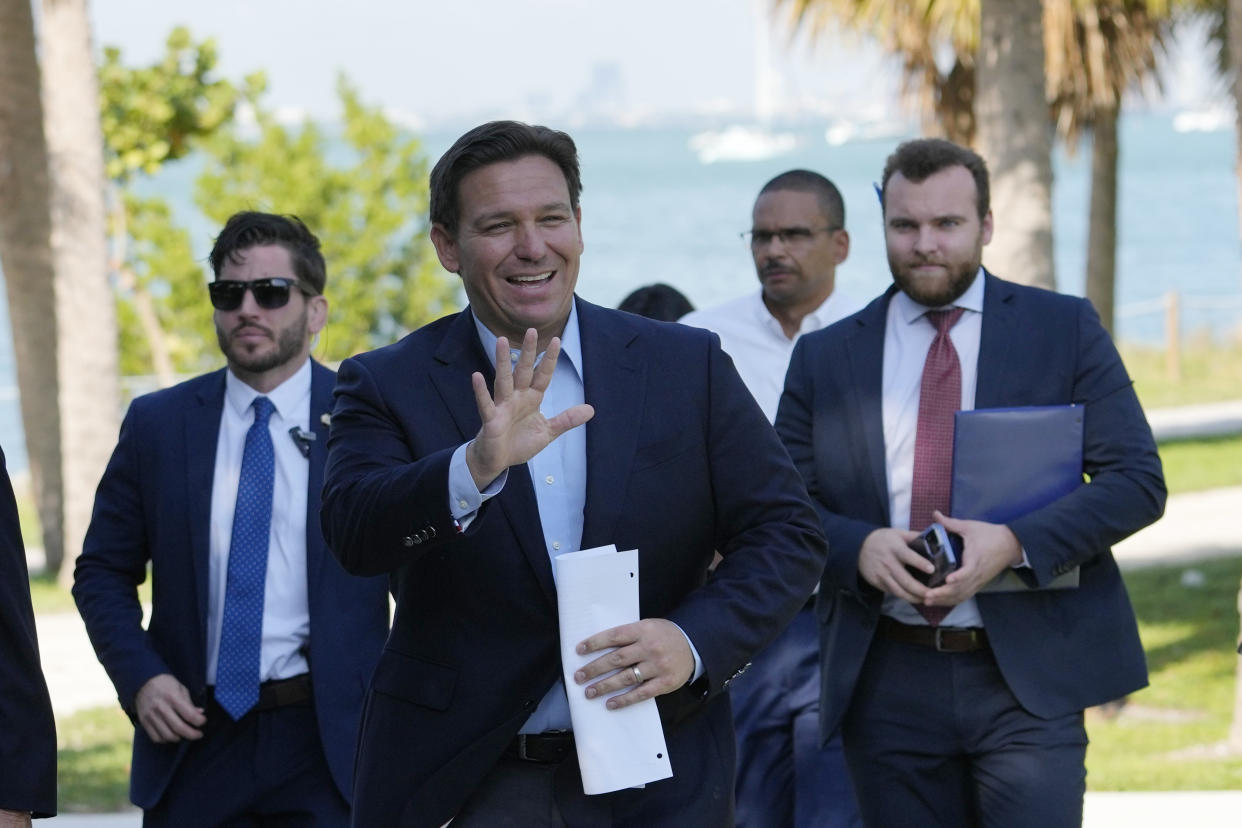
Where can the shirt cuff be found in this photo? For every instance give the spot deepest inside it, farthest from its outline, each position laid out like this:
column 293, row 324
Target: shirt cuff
column 465, row 499
column 698, row 662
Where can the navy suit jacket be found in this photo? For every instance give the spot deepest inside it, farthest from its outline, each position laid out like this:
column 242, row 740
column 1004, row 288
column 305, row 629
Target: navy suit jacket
column 680, row 463
column 27, row 729
column 1060, row 650
column 153, row 507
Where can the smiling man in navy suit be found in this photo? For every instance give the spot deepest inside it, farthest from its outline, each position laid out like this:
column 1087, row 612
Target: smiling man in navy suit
column 247, row 684
column 961, row 708
column 464, row 476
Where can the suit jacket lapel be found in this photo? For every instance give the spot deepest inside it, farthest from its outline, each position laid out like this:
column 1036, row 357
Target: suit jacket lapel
column 458, row 355
column 1000, row 329
column 615, row 387
column 322, row 382
column 865, row 347
column 202, row 432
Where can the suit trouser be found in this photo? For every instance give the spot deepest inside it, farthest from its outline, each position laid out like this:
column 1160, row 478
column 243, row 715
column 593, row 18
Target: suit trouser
column 265, row 769
column 937, row 739
column 785, row 778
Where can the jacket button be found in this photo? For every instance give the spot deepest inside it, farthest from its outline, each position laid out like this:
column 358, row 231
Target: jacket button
column 409, row 540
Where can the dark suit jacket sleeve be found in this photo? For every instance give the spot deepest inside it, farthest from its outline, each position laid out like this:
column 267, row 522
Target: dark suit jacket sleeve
column 1126, row 490
column 114, row 562
column 27, row 729
column 766, row 531
column 796, row 424
column 382, row 508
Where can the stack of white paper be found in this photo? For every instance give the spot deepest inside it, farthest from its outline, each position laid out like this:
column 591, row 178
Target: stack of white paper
column 597, row 589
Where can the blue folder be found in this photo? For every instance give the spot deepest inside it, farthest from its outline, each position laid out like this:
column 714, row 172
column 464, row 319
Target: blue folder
column 1008, row 462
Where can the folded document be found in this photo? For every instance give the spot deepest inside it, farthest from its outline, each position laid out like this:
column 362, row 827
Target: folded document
column 597, row 589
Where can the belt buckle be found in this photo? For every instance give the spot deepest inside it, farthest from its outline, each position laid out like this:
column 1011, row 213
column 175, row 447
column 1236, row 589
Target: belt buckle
column 939, row 640
column 521, row 748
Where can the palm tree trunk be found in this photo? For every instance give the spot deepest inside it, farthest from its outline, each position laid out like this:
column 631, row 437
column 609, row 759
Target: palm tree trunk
column 88, row 388
column 1015, row 137
column 25, row 252
column 1102, row 224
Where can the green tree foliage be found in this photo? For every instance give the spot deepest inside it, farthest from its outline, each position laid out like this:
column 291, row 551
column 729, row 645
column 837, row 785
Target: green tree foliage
column 363, row 193
column 154, row 114
column 162, row 278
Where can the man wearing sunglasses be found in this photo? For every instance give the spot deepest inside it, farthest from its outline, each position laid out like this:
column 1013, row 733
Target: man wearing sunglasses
column 797, row 239
column 246, row 686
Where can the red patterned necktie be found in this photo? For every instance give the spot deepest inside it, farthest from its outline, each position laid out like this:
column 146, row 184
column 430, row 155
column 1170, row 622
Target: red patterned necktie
column 940, row 395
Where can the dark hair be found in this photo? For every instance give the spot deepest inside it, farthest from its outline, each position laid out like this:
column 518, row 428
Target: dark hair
column 492, row 143
column 921, row 158
column 249, row 229
column 658, row 301
column 807, row 181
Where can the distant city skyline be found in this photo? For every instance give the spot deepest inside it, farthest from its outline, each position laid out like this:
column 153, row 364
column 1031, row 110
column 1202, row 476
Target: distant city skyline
column 564, row 61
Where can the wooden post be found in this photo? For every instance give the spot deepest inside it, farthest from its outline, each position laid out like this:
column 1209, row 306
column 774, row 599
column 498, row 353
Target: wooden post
column 1173, row 336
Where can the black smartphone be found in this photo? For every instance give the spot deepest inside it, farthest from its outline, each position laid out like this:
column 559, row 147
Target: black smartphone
column 940, row 546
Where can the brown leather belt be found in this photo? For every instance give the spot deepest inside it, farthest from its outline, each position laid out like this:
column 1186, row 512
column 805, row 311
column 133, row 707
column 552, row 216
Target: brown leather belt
column 940, row 639
column 544, row 748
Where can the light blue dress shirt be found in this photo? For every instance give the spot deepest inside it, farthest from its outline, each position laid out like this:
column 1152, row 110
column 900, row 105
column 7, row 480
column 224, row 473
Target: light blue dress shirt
column 558, row 474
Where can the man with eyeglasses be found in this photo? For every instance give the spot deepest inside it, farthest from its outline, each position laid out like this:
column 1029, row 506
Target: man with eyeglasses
column 246, row 687
column 797, row 239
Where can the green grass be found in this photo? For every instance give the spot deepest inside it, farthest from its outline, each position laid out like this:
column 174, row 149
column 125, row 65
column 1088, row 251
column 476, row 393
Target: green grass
column 1196, row 465
column 93, row 761
column 1190, row 635
column 1210, row 372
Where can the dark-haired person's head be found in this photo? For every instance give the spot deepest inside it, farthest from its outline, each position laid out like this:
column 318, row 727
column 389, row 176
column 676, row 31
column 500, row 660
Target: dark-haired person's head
column 250, row 228
column 267, row 295
column 936, row 219
column 658, row 301
column 797, row 239
column 505, row 217
column 492, row 143
column 923, row 157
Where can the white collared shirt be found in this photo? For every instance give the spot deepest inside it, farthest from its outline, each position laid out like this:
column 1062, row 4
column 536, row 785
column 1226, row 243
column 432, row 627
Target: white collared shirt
column 907, row 338
column 757, row 344
column 286, row 616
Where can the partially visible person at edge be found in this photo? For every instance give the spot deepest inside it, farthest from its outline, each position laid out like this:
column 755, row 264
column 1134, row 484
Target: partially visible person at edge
column 27, row 728
column 464, row 469
column 960, row 707
column 797, row 239
column 246, row 687
column 657, row 301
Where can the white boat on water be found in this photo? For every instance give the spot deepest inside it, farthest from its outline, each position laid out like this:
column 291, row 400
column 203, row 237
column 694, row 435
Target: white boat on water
column 741, row 142
column 865, row 129
column 1207, row 119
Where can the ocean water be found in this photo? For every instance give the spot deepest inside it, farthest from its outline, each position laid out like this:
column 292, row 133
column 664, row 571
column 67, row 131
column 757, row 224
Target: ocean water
column 653, row 212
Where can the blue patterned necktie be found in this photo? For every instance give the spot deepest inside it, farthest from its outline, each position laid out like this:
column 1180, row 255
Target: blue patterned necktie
column 241, row 632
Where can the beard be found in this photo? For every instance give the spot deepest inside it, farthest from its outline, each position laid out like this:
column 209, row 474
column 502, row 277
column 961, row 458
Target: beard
column 289, row 342
column 935, row 293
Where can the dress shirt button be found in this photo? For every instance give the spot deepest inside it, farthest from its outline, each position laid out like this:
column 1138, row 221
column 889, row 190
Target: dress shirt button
column 549, row 480
column 556, row 544
column 463, row 504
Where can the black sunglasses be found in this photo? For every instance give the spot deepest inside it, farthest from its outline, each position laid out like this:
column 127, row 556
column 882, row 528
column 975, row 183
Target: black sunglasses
column 269, row 294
